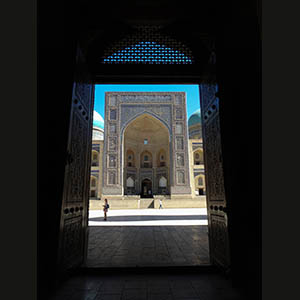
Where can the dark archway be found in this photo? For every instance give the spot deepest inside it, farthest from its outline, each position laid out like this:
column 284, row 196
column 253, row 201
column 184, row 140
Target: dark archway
column 238, row 71
column 146, row 188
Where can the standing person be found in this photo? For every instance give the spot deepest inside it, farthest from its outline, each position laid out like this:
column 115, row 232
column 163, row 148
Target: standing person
column 160, row 203
column 105, row 209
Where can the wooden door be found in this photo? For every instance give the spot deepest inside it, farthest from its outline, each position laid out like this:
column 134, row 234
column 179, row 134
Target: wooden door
column 216, row 201
column 74, row 213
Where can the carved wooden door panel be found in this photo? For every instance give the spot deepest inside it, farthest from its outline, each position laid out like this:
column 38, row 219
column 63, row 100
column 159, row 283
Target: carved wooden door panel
column 74, row 213
column 216, row 201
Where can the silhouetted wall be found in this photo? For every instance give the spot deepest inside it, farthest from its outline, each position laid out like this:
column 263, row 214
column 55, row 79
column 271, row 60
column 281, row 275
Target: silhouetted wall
column 238, row 77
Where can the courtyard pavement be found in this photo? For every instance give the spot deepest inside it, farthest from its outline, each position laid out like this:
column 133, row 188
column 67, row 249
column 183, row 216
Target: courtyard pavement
column 148, row 237
column 148, row 287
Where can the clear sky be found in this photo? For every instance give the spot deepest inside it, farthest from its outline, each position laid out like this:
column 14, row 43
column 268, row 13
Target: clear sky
column 191, row 90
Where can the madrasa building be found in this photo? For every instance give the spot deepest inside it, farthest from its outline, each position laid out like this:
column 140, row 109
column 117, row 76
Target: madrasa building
column 147, row 150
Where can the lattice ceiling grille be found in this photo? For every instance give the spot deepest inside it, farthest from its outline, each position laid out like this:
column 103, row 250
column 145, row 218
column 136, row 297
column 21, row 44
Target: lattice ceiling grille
column 147, row 46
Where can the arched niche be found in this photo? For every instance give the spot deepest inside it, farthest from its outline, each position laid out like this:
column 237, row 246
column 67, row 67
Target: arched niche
column 162, row 182
column 145, row 137
column 93, row 186
column 198, row 157
column 200, row 185
column 130, row 182
column 93, row 182
column 130, row 158
column 146, row 159
column 95, row 158
column 199, row 181
column 161, row 160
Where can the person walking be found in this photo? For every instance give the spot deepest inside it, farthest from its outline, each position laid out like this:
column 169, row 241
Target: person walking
column 160, row 203
column 105, row 209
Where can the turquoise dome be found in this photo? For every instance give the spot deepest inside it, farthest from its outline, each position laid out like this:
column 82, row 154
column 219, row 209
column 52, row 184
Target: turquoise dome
column 98, row 120
column 195, row 118
column 98, row 124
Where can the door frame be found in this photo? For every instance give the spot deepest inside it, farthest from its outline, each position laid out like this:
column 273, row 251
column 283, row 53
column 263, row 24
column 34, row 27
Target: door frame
column 171, row 80
column 146, row 179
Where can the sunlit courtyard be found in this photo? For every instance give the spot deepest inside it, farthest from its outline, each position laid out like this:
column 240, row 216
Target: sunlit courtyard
column 148, row 237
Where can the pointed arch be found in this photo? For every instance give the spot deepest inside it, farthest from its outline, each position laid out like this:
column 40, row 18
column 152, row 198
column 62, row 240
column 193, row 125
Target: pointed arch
column 146, row 159
column 138, row 115
column 162, row 182
column 129, row 182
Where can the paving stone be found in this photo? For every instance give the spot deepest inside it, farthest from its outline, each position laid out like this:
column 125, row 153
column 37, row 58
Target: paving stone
column 137, row 284
column 135, row 294
column 184, row 293
column 159, row 289
column 151, row 286
column 160, row 297
column 112, row 287
column 109, row 297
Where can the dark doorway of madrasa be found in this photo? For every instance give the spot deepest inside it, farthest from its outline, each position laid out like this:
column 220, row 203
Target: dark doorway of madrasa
column 146, row 190
column 220, row 43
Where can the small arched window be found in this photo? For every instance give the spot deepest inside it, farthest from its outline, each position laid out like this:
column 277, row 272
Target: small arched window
column 146, row 160
column 130, row 158
column 198, row 158
column 161, row 158
column 95, row 157
column 200, row 181
column 93, row 182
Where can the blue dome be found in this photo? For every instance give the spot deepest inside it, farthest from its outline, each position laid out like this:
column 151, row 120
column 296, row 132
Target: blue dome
column 98, row 120
column 98, row 124
column 195, row 118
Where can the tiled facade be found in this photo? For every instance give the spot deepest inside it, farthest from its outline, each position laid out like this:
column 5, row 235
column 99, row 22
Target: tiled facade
column 96, row 164
column 176, row 165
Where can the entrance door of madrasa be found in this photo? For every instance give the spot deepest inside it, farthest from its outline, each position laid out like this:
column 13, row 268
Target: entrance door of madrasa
column 146, row 190
column 126, row 114
column 125, row 111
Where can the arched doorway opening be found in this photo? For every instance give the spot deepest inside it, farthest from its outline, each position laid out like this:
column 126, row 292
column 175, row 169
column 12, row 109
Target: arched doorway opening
column 147, row 140
column 146, row 188
column 230, row 62
column 115, row 178
column 151, row 135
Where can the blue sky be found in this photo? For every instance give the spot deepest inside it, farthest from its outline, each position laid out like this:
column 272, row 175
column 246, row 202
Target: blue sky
column 192, row 93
